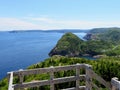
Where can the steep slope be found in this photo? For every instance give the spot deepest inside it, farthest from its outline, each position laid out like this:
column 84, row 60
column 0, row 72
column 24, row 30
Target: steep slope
column 112, row 36
column 68, row 45
column 106, row 34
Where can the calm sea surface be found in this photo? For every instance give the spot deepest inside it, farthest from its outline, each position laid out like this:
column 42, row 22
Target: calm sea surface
column 21, row 49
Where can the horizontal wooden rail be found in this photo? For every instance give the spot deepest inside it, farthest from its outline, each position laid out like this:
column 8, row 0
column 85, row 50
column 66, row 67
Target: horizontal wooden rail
column 47, row 70
column 47, row 82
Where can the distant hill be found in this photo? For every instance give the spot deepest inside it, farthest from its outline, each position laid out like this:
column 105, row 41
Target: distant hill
column 59, row 31
column 68, row 45
column 112, row 36
column 102, row 30
column 106, row 34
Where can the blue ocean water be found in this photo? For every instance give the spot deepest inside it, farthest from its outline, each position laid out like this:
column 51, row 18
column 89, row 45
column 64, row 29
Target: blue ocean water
column 20, row 49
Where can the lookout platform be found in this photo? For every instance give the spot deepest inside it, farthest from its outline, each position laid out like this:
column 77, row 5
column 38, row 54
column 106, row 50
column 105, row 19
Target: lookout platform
column 88, row 77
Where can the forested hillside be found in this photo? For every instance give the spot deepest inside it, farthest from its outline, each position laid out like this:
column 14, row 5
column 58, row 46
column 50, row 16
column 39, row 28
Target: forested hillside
column 72, row 46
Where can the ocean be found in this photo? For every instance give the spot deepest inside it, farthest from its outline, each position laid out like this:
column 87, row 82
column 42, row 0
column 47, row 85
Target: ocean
column 18, row 50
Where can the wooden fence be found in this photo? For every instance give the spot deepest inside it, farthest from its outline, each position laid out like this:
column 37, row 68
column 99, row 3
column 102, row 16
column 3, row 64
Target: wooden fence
column 87, row 77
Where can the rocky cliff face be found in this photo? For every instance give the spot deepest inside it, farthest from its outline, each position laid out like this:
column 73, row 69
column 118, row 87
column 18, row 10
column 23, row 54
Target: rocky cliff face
column 68, row 45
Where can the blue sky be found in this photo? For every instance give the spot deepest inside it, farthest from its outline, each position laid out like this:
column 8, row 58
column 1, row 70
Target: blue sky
column 58, row 14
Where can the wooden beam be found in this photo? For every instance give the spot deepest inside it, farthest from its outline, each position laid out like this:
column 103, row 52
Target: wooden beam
column 10, row 86
column 47, row 70
column 115, row 84
column 88, row 78
column 73, row 88
column 77, row 76
column 98, row 78
column 95, row 86
column 51, row 78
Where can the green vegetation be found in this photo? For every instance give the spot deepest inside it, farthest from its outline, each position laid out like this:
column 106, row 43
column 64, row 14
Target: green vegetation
column 68, row 45
column 71, row 45
column 95, row 47
column 114, row 51
column 105, row 67
column 102, row 30
column 111, row 36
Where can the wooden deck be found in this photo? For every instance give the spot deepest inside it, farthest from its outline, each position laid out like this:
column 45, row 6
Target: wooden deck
column 87, row 77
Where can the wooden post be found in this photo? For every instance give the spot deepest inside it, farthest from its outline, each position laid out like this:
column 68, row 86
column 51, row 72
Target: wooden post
column 88, row 78
column 21, row 76
column 77, row 76
column 10, row 81
column 115, row 84
column 51, row 78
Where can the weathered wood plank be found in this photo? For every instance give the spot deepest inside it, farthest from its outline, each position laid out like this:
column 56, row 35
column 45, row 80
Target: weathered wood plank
column 115, row 84
column 32, row 84
column 80, row 88
column 51, row 78
column 21, row 76
column 77, row 76
column 68, row 79
column 88, row 78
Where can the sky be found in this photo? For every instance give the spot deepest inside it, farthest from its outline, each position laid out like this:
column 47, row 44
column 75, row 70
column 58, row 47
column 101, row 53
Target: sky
column 58, row 14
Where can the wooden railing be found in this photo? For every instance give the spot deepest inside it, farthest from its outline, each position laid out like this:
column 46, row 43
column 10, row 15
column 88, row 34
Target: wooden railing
column 115, row 84
column 87, row 77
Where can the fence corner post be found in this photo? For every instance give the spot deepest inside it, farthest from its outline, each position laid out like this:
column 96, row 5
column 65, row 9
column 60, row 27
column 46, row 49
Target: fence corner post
column 10, row 81
column 115, row 83
column 21, row 77
column 51, row 78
